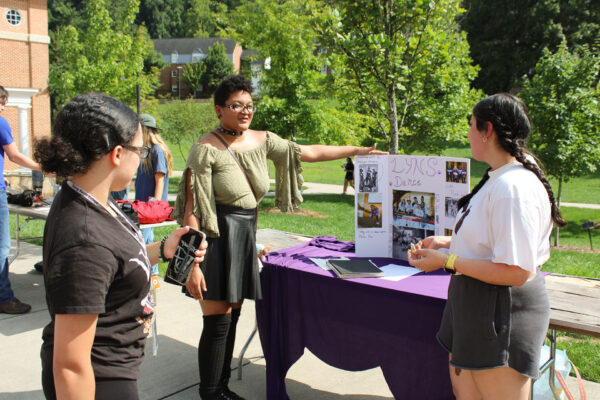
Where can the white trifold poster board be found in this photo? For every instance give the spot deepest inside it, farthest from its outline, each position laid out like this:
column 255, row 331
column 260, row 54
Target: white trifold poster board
column 403, row 199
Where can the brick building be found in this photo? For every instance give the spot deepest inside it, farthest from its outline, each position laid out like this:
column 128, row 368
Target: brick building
column 176, row 53
column 24, row 66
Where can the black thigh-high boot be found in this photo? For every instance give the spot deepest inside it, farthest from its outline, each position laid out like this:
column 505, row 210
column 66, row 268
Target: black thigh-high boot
column 226, row 374
column 211, row 354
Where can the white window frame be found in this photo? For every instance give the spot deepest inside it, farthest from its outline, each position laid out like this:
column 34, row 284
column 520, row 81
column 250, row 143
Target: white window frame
column 13, row 15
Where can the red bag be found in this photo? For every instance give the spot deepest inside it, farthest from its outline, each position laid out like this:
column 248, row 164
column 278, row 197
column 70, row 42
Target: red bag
column 151, row 212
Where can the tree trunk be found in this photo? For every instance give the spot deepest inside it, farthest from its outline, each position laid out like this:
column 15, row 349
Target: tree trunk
column 556, row 228
column 393, row 118
column 391, row 89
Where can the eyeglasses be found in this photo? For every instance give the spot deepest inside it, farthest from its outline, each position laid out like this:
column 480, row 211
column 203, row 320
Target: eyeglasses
column 250, row 108
column 143, row 151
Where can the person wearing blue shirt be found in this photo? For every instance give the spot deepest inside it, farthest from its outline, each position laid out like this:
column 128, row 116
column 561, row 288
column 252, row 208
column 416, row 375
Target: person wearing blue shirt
column 152, row 181
column 9, row 304
column 120, row 194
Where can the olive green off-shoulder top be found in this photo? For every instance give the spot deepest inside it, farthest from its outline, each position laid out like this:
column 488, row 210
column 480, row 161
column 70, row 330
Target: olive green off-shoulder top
column 217, row 179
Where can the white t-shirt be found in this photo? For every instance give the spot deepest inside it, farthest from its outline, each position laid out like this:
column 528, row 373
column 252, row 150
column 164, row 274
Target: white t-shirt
column 508, row 221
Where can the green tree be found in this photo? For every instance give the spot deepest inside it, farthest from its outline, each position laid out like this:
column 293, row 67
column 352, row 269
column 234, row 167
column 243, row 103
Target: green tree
column 507, row 38
column 206, row 18
column 198, row 19
column 405, row 63
column 72, row 12
column 580, row 20
column 192, row 76
column 291, row 87
column 104, row 57
column 563, row 102
column 183, row 122
column 163, row 18
column 63, row 13
column 217, row 65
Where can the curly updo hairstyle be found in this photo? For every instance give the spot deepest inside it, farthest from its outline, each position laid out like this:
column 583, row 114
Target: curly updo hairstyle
column 88, row 127
column 231, row 84
column 508, row 115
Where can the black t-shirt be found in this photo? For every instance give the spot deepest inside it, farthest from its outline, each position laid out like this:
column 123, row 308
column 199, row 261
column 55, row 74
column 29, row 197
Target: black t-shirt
column 93, row 264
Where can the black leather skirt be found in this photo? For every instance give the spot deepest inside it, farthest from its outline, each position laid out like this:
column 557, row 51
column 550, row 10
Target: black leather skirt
column 230, row 266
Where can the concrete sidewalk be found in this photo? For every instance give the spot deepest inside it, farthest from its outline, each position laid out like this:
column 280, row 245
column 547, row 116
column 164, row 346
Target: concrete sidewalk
column 173, row 374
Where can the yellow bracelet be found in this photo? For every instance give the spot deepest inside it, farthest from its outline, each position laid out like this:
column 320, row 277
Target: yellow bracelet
column 450, row 262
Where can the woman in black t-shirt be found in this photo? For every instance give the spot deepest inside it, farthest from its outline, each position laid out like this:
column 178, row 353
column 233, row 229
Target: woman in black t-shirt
column 96, row 265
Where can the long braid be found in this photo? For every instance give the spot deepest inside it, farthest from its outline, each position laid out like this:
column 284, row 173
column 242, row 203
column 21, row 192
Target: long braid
column 533, row 167
column 463, row 202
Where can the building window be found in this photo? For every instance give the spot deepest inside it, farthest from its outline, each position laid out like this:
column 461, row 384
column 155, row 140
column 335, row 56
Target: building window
column 174, row 88
column 196, row 55
column 174, row 73
column 13, row 17
column 174, row 57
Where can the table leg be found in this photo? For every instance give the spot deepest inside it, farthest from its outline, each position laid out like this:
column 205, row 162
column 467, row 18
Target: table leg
column 549, row 365
column 552, row 373
column 17, row 238
column 243, row 351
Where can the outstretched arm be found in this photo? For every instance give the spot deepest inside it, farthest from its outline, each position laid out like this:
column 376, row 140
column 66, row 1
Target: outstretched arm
column 320, row 152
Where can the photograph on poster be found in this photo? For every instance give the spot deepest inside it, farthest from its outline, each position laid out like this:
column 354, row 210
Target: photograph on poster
column 403, row 237
column 367, row 178
column 413, row 219
column 414, row 209
column 451, row 207
column 456, row 172
column 368, row 211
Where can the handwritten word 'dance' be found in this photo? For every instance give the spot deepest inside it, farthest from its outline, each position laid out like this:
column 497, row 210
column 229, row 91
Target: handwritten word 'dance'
column 400, row 181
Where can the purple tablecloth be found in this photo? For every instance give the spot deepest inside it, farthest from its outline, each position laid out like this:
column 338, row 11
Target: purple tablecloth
column 352, row 324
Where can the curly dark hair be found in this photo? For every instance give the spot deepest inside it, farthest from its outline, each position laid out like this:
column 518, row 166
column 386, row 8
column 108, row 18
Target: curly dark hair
column 88, row 127
column 231, row 84
column 3, row 95
column 508, row 115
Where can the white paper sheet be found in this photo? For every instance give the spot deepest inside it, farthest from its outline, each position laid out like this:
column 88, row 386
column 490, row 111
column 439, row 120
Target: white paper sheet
column 396, row 273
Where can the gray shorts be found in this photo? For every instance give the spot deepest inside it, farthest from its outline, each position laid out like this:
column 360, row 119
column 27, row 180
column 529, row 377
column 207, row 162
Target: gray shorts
column 489, row 326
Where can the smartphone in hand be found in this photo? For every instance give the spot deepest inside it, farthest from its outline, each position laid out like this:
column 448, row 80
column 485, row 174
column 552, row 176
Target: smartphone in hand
column 183, row 260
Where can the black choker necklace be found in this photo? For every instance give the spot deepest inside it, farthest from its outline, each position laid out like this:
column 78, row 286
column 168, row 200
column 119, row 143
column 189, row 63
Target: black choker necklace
column 227, row 131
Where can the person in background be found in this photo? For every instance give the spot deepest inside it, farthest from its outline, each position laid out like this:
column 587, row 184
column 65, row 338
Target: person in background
column 120, row 194
column 349, row 174
column 9, row 304
column 96, row 265
column 497, row 313
column 221, row 198
column 152, row 181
